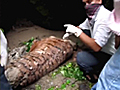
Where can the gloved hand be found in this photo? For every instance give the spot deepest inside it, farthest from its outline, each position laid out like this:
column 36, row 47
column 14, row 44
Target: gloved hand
column 72, row 29
column 3, row 47
column 66, row 35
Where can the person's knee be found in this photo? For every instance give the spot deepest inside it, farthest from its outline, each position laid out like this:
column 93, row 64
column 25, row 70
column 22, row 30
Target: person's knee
column 80, row 57
column 85, row 60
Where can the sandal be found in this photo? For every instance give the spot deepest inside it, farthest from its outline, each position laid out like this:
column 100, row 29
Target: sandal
column 92, row 78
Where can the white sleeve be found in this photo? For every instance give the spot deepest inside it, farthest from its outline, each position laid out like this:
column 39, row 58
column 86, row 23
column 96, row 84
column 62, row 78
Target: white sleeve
column 3, row 48
column 102, row 35
column 84, row 25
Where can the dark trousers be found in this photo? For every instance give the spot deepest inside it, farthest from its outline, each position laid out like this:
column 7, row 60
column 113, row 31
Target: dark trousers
column 4, row 85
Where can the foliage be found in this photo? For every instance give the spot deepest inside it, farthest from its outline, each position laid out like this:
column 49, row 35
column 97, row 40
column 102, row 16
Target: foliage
column 63, row 86
column 91, row 85
column 29, row 44
column 70, row 70
column 37, row 87
column 2, row 30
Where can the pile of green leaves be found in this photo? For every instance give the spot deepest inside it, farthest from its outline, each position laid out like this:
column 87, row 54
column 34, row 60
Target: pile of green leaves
column 70, row 70
column 29, row 44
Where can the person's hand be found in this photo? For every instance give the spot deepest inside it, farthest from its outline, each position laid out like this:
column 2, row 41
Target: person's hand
column 73, row 30
column 66, row 35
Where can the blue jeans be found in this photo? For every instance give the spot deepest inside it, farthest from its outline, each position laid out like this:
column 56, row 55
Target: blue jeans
column 91, row 62
column 4, row 84
column 109, row 78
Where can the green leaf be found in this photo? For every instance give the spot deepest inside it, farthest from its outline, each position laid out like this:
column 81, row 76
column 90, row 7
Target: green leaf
column 52, row 88
column 57, row 89
column 69, row 65
column 71, row 70
column 68, row 82
column 32, row 39
column 73, row 85
column 63, row 72
column 28, row 49
column 29, row 44
column 54, row 74
column 63, row 86
column 37, row 87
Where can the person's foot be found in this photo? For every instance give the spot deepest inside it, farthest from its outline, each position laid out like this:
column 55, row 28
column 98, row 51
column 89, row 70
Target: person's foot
column 92, row 78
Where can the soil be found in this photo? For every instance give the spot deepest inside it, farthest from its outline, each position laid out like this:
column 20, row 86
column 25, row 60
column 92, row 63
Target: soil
column 21, row 34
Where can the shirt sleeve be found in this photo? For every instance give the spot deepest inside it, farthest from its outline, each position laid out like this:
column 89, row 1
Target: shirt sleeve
column 102, row 35
column 3, row 48
column 84, row 25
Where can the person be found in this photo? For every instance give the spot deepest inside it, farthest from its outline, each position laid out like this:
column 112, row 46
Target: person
column 4, row 85
column 109, row 78
column 99, row 39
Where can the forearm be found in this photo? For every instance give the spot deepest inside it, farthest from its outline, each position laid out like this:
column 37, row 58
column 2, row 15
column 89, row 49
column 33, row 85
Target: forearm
column 90, row 42
column 117, row 41
column 79, row 33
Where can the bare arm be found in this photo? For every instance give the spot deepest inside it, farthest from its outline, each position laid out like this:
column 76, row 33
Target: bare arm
column 117, row 41
column 90, row 42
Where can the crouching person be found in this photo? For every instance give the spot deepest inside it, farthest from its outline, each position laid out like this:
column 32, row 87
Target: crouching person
column 4, row 85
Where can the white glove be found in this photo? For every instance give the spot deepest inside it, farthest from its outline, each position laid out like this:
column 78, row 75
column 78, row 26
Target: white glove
column 66, row 35
column 3, row 49
column 72, row 29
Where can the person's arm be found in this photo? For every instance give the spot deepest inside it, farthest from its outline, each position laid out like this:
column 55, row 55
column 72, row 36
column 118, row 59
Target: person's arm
column 90, row 42
column 82, row 26
column 117, row 41
column 100, row 38
column 4, row 52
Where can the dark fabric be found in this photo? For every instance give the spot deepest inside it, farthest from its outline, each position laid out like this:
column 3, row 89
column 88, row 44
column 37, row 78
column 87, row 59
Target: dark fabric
column 91, row 62
column 4, row 85
column 91, row 9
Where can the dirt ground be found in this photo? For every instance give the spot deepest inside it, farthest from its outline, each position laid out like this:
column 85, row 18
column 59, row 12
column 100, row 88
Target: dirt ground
column 18, row 35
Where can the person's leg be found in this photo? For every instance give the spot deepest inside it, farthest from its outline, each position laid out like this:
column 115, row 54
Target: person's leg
column 102, row 58
column 110, row 76
column 4, row 84
column 91, row 63
column 86, row 62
